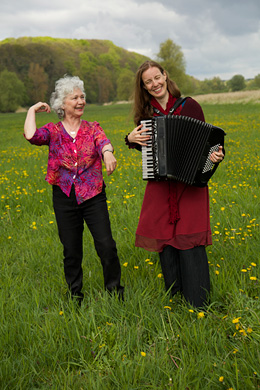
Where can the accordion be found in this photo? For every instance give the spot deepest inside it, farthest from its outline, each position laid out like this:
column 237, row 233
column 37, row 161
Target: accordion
column 179, row 149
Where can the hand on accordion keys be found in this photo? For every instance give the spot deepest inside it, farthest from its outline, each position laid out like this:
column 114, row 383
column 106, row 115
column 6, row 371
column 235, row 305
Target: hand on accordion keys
column 138, row 136
column 217, row 157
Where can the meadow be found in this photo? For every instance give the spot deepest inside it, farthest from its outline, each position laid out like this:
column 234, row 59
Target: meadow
column 150, row 341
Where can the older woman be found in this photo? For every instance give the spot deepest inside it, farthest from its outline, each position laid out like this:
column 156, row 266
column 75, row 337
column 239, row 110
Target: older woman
column 76, row 150
column 174, row 218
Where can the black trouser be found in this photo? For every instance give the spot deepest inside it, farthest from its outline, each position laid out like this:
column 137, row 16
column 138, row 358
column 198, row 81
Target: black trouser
column 70, row 220
column 186, row 271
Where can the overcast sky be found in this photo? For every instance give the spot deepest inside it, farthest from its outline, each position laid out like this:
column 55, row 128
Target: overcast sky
column 217, row 37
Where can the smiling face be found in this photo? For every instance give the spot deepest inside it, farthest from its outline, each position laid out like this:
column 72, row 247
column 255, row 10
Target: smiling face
column 155, row 83
column 74, row 103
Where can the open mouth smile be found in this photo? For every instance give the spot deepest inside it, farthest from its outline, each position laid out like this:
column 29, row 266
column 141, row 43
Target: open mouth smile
column 157, row 90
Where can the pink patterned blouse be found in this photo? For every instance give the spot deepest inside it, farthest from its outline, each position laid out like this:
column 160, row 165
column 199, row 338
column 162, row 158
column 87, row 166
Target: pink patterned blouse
column 76, row 160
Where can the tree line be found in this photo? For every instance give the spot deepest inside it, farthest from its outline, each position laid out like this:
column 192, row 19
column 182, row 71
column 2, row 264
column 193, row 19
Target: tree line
column 29, row 68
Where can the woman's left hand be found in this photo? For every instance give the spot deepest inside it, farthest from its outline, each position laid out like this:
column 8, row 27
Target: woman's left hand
column 217, row 157
column 110, row 162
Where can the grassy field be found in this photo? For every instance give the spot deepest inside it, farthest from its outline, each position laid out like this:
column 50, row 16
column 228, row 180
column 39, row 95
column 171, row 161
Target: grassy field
column 150, row 341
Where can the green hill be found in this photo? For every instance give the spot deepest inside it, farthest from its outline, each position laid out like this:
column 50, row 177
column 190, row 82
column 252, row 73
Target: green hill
column 106, row 69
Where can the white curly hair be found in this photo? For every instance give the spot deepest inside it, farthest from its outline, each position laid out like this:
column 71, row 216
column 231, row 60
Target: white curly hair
column 64, row 86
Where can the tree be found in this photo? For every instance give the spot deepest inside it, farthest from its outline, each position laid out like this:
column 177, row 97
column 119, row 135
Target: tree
column 256, row 81
column 237, row 83
column 216, row 84
column 12, row 92
column 125, row 85
column 190, row 85
column 38, row 83
column 105, row 85
column 172, row 59
column 213, row 85
column 87, row 71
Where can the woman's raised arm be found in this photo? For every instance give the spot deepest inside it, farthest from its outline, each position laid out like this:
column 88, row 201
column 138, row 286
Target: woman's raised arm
column 30, row 121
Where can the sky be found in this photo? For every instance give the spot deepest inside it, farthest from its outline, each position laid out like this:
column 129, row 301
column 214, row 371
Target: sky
column 219, row 38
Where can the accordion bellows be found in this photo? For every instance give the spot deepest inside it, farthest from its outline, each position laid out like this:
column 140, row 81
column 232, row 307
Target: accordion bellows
column 179, row 149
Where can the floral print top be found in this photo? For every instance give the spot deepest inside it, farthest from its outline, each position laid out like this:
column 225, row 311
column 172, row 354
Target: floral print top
column 76, row 160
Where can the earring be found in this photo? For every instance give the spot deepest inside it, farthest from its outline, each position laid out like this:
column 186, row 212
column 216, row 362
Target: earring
column 60, row 113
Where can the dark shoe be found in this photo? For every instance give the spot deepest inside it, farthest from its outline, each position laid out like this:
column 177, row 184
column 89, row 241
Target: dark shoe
column 77, row 297
column 119, row 291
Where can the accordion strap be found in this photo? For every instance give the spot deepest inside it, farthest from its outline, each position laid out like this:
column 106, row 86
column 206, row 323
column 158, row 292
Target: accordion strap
column 178, row 102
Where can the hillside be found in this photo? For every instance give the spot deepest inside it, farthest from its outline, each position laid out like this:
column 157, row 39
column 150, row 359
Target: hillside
column 107, row 70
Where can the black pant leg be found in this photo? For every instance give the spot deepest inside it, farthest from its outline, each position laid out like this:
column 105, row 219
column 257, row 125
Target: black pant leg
column 170, row 264
column 195, row 275
column 70, row 227
column 97, row 219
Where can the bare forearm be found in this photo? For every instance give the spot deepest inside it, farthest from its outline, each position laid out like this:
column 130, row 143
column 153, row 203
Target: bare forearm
column 30, row 124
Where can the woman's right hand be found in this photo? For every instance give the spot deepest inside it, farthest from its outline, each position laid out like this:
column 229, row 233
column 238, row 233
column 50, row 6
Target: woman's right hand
column 40, row 107
column 138, row 136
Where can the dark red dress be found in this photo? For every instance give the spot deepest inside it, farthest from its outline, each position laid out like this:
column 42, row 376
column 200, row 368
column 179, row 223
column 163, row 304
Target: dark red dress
column 174, row 213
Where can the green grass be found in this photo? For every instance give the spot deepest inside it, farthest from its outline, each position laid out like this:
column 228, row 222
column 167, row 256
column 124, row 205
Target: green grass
column 149, row 341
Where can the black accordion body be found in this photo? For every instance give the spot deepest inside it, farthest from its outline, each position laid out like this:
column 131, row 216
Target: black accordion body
column 179, row 149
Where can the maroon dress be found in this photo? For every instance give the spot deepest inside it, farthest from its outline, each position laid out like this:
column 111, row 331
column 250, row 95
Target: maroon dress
column 174, row 213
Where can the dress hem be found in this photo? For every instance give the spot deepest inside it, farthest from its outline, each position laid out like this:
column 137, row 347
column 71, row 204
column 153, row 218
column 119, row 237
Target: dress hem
column 181, row 242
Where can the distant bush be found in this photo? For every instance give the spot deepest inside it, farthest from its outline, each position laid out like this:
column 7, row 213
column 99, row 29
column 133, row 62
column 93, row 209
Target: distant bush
column 12, row 92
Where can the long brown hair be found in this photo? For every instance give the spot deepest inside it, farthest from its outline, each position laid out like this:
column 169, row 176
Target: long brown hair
column 142, row 107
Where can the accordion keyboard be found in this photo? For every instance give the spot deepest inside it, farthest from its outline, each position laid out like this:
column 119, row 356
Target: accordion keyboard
column 147, row 153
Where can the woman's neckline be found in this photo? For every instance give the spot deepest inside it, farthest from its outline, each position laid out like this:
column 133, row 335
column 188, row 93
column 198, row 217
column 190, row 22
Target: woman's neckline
column 72, row 131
